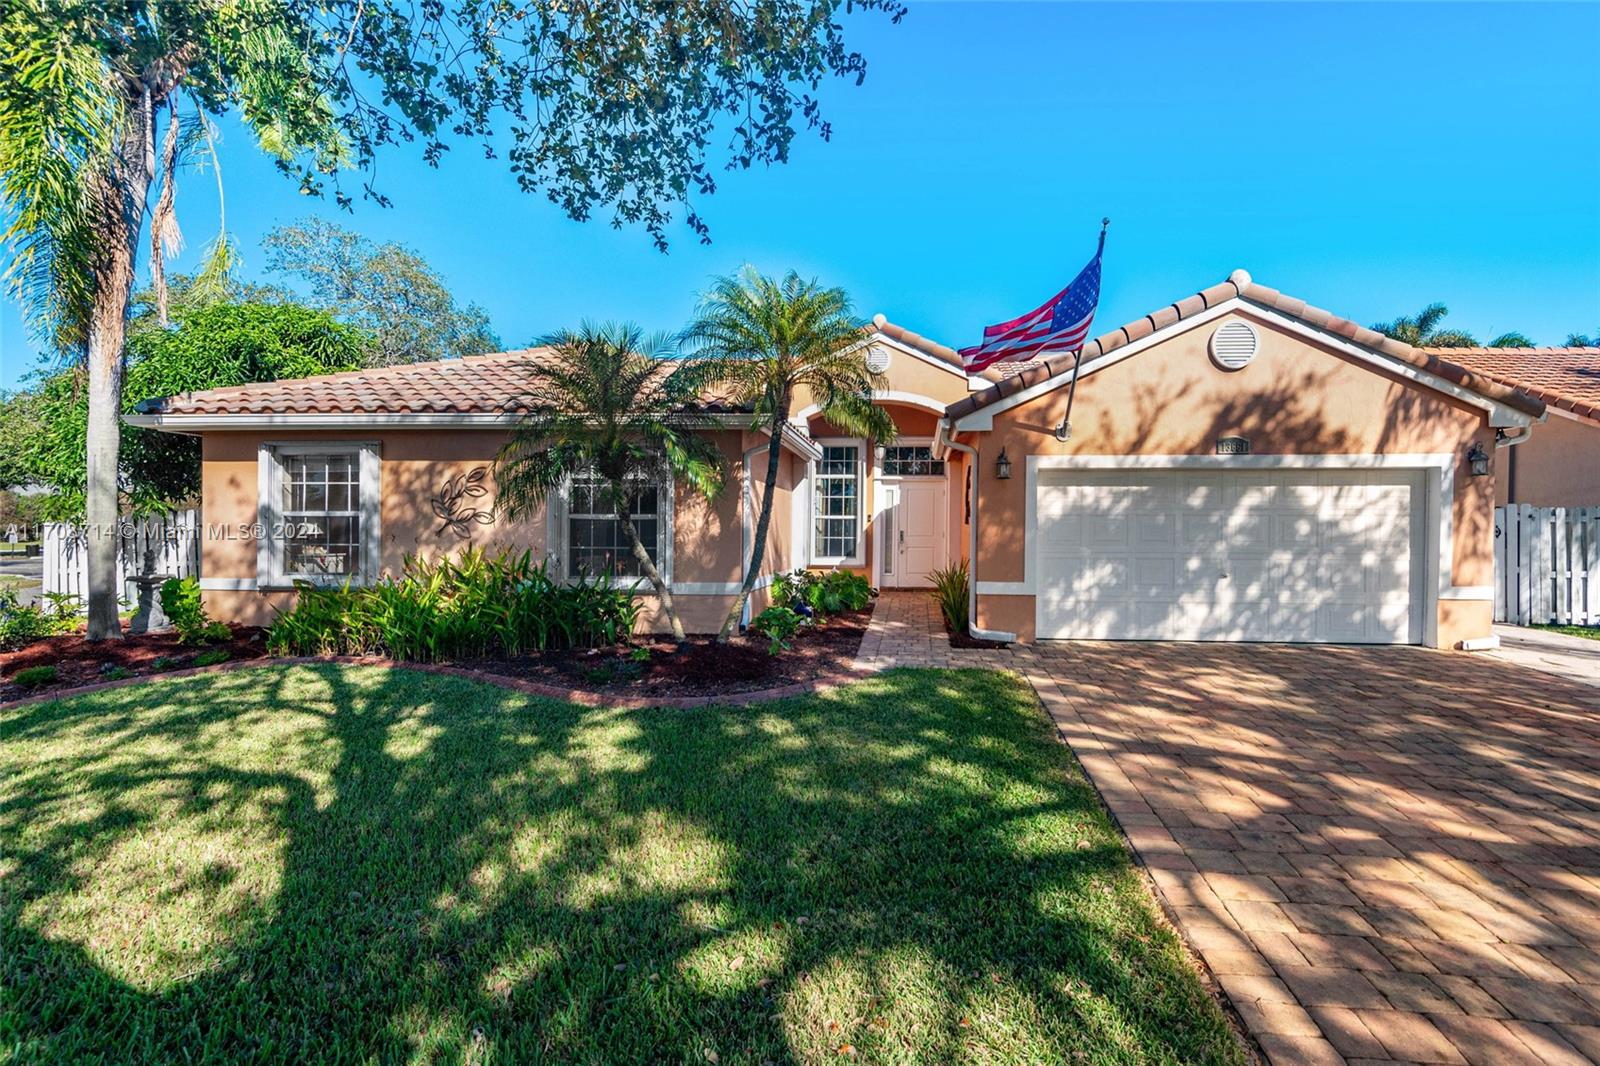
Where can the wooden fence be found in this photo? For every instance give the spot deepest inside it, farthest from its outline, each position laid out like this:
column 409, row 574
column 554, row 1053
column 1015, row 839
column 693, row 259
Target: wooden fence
column 1547, row 565
column 165, row 545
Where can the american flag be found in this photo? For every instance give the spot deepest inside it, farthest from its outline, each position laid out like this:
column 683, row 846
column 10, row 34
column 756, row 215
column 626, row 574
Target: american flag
column 1060, row 325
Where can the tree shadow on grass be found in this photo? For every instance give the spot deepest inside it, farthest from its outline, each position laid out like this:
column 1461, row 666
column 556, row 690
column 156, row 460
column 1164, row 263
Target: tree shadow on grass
column 340, row 864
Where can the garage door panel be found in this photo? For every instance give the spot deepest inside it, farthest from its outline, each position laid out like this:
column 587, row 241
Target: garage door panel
column 1296, row 555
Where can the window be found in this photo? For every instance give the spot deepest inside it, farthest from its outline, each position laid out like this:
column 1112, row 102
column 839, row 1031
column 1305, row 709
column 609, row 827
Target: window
column 319, row 513
column 836, row 490
column 911, row 461
column 596, row 543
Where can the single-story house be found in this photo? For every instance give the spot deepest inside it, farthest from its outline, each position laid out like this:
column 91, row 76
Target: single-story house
column 1238, row 466
column 1560, row 465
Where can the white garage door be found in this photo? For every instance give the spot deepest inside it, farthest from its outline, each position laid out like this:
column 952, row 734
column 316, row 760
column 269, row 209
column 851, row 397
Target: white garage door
column 1282, row 555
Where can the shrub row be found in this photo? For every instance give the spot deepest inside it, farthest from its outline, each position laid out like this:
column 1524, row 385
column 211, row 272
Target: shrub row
column 474, row 605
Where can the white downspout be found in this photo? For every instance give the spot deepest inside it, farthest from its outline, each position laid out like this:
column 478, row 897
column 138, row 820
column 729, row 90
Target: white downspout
column 942, row 440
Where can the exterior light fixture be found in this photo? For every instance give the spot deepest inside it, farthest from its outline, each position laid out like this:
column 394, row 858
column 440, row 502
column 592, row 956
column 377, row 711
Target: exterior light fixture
column 1002, row 466
column 879, row 451
column 1477, row 460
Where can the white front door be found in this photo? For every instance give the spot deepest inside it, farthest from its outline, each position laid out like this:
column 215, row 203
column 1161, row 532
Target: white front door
column 913, row 533
column 1290, row 555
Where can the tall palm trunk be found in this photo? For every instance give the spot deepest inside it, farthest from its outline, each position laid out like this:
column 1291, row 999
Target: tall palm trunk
column 652, row 574
column 758, row 550
column 123, row 190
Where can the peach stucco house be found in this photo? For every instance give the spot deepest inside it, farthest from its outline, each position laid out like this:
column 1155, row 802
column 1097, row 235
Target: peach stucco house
column 1239, row 466
column 1560, row 465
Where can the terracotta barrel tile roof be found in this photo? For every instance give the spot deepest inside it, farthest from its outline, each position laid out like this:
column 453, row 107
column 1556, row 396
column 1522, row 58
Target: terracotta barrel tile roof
column 1240, row 284
column 1568, row 378
column 477, row 384
column 917, row 341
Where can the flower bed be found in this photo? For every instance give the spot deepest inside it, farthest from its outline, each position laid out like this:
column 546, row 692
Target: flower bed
column 644, row 667
column 78, row 661
column 698, row 667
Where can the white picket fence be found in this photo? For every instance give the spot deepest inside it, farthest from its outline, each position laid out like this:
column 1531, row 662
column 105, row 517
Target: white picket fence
column 165, row 545
column 1547, row 565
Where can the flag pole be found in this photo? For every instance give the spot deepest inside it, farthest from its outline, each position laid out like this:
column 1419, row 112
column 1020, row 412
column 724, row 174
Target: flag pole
column 1064, row 430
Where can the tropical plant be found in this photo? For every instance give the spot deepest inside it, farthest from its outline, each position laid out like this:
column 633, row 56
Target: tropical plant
column 951, row 590
column 1513, row 339
column 211, row 347
column 387, row 289
column 762, row 341
column 609, row 105
column 1422, row 330
column 181, row 603
column 1583, row 340
column 778, row 624
column 470, row 606
column 608, row 403
column 22, row 624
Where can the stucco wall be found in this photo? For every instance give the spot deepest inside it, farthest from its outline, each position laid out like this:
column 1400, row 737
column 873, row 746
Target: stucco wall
column 1295, row 398
column 414, row 466
column 1559, row 466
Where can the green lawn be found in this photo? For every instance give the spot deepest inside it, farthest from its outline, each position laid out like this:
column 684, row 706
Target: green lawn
column 359, row 865
column 1592, row 632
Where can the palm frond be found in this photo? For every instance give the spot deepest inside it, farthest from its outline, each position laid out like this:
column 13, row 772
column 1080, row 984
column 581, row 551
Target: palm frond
column 58, row 122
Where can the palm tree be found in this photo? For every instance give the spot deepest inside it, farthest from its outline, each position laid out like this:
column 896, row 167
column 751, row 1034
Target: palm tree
column 609, row 406
column 83, row 89
column 1422, row 331
column 761, row 341
column 1583, row 340
column 1513, row 339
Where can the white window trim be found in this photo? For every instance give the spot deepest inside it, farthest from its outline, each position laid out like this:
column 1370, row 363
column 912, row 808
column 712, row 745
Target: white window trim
column 269, row 486
column 556, row 530
column 856, row 558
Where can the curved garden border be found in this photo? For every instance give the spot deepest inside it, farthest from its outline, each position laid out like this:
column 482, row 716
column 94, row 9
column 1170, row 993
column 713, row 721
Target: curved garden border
column 582, row 697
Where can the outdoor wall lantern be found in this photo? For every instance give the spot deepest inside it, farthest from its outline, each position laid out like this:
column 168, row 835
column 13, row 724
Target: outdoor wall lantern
column 1478, row 460
column 1002, row 466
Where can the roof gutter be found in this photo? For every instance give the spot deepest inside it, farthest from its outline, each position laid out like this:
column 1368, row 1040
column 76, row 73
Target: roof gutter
column 795, row 441
column 942, row 440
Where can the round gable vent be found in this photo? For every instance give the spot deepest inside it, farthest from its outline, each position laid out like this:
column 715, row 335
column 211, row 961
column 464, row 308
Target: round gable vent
column 1233, row 345
column 877, row 358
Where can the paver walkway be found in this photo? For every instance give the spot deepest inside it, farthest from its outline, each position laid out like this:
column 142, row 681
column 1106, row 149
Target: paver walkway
column 1577, row 658
column 1384, row 854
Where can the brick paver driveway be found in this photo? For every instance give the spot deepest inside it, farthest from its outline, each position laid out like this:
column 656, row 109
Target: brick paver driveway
column 1382, row 853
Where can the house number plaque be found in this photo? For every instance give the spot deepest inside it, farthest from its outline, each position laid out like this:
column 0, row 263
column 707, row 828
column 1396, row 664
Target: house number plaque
column 1233, row 446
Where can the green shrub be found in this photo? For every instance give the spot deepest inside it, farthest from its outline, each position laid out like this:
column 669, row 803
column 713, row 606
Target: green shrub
column 113, row 672
column 212, row 657
column 793, row 590
column 34, row 676
column 807, row 592
column 951, row 590
column 163, row 662
column 20, row 625
column 851, row 591
column 180, row 602
column 777, row 624
column 471, row 606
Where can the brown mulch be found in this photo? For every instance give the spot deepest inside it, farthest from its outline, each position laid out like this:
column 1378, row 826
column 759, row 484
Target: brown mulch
column 79, row 661
column 699, row 667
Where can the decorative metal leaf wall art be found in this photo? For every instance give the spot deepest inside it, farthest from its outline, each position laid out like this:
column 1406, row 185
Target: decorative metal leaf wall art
column 453, row 506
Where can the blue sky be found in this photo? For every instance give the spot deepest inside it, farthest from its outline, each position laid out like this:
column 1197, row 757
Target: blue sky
column 1368, row 158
